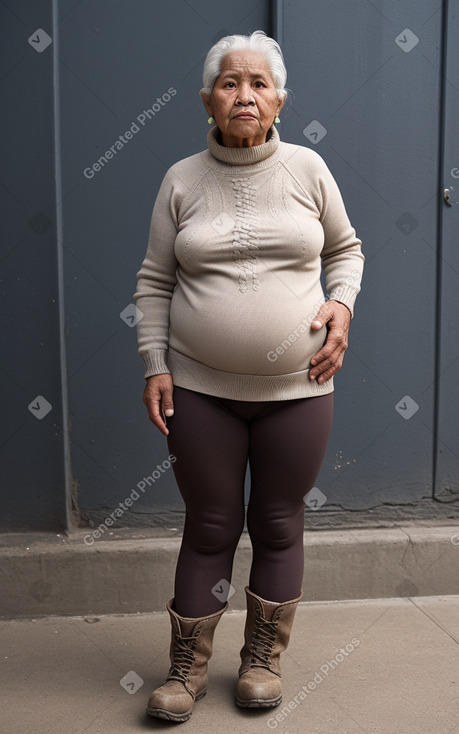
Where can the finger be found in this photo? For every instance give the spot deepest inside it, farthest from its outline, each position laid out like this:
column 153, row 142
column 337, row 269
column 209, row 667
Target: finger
column 324, row 353
column 332, row 311
column 336, row 342
column 322, row 377
column 328, row 374
column 167, row 403
column 155, row 416
column 327, row 368
column 331, row 346
column 323, row 315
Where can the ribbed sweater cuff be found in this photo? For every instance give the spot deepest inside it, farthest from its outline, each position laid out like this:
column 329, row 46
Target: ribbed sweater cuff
column 344, row 294
column 155, row 362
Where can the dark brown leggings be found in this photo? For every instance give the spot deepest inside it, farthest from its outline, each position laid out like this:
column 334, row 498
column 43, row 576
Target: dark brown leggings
column 212, row 438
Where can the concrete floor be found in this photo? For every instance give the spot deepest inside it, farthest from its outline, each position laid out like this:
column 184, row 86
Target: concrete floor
column 398, row 672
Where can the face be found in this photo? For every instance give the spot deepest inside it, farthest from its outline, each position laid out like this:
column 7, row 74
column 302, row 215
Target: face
column 244, row 100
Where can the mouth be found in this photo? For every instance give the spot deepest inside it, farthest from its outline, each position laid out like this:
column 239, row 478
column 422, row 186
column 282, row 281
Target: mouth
column 245, row 116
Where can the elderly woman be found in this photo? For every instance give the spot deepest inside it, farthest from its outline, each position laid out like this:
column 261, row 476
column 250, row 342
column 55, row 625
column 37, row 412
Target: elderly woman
column 240, row 347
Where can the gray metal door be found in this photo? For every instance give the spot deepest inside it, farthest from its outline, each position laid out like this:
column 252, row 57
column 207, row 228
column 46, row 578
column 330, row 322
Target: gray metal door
column 366, row 82
column 447, row 467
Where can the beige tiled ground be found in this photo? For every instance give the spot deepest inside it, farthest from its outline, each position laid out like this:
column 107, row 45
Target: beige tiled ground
column 399, row 673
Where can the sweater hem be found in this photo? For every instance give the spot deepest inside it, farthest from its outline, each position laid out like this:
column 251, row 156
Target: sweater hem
column 193, row 375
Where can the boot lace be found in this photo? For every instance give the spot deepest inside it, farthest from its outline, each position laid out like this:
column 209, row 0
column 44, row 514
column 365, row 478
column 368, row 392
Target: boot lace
column 263, row 641
column 183, row 658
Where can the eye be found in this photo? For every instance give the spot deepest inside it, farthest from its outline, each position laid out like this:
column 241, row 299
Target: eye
column 228, row 84
column 259, row 85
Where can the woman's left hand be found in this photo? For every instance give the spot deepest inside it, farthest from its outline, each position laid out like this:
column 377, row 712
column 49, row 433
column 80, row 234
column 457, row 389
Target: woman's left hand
column 328, row 360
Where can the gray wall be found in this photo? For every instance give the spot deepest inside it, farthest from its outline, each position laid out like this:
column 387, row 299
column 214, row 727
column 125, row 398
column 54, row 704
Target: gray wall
column 68, row 273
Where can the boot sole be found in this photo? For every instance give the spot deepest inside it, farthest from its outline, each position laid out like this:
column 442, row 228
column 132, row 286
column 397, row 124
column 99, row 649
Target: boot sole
column 253, row 703
column 170, row 715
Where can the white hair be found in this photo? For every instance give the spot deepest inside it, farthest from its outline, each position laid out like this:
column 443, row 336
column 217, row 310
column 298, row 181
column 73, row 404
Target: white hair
column 259, row 42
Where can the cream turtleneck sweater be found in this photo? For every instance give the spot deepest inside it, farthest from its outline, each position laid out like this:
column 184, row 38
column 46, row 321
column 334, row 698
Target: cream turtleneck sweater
column 231, row 279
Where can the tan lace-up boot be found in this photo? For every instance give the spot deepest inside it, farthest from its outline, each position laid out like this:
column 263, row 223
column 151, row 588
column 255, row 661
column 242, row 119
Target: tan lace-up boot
column 190, row 650
column 267, row 634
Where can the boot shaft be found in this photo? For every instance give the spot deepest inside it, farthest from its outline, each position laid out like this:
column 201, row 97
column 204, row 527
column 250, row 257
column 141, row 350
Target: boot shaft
column 191, row 647
column 190, row 650
column 267, row 632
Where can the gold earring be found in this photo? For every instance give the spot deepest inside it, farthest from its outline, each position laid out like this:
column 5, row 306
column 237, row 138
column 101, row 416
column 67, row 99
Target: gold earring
column 210, row 120
column 276, row 119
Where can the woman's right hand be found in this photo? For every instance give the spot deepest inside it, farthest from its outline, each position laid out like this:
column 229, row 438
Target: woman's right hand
column 157, row 396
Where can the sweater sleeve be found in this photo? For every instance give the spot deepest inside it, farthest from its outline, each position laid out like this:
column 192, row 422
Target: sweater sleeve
column 156, row 281
column 342, row 257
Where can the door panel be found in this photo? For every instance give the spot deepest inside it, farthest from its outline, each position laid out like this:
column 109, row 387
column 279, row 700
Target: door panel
column 369, row 77
column 447, row 469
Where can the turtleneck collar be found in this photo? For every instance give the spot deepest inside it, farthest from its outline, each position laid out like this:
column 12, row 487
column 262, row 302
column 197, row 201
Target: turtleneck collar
column 242, row 156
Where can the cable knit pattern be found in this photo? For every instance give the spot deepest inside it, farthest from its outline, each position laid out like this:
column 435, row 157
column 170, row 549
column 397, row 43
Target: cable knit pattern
column 245, row 233
column 232, row 275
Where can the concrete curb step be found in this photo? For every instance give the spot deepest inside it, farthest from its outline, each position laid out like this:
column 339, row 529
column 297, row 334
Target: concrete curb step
column 64, row 575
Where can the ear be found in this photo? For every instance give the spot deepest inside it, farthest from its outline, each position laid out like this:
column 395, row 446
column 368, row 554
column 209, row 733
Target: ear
column 281, row 103
column 206, row 102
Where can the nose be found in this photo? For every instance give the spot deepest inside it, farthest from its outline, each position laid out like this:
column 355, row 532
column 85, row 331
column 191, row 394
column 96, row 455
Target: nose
column 245, row 96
